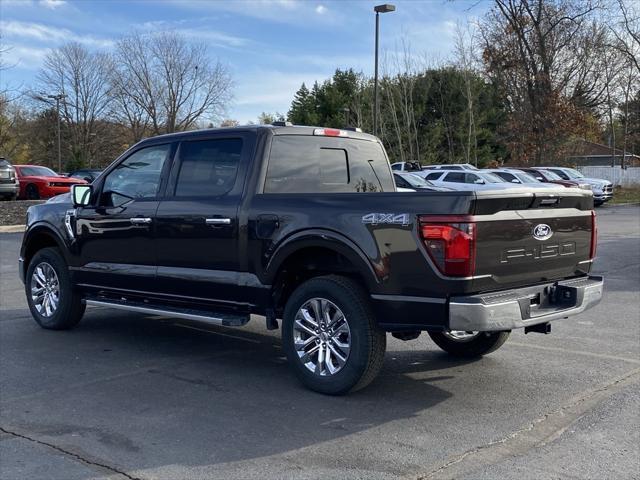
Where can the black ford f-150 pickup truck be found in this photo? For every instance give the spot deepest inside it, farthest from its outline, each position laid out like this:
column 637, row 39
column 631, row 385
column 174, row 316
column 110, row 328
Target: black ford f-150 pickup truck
column 305, row 225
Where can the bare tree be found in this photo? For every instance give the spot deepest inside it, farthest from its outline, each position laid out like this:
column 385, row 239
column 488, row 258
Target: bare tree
column 535, row 50
column 81, row 77
column 465, row 56
column 626, row 28
column 166, row 84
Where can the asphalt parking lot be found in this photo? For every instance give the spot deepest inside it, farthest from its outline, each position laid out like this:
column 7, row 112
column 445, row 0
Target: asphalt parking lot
column 132, row 396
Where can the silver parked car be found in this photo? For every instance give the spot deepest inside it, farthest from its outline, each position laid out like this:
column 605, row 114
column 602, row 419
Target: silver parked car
column 602, row 189
column 9, row 184
column 470, row 180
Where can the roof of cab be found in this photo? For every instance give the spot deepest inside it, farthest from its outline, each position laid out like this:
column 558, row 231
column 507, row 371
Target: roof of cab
column 274, row 129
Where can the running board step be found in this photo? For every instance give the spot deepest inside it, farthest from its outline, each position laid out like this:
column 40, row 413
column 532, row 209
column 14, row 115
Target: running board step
column 211, row 318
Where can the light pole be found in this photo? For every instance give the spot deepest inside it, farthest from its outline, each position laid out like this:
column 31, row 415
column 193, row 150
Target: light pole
column 384, row 8
column 57, row 98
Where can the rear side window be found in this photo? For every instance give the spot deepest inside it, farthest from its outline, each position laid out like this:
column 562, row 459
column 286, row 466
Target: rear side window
column 456, row 177
column 208, row 167
column 306, row 164
column 506, row 176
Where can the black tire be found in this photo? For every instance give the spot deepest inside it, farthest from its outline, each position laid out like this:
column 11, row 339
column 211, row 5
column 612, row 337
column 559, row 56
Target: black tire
column 70, row 307
column 482, row 344
column 32, row 192
column 367, row 341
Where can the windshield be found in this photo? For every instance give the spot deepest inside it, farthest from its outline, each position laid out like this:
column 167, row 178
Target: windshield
column 524, row 177
column 37, row 172
column 416, row 180
column 491, row 177
column 573, row 174
column 549, row 175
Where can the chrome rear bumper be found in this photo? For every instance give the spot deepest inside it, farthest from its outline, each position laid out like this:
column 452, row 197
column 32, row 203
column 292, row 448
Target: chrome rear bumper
column 523, row 307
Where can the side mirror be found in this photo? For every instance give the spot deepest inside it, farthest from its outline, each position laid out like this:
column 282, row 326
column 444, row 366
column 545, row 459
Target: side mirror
column 479, row 181
column 515, row 180
column 81, row 195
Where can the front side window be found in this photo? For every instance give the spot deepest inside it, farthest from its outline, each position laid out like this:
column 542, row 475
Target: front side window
column 208, row 167
column 136, row 177
column 434, row 176
column 315, row 164
column 561, row 174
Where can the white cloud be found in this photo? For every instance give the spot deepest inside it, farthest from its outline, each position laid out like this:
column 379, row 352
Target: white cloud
column 43, row 33
column 21, row 56
column 281, row 11
column 204, row 33
column 52, row 4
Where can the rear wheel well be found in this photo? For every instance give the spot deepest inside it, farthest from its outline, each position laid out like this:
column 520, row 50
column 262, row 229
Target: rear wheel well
column 308, row 263
column 37, row 242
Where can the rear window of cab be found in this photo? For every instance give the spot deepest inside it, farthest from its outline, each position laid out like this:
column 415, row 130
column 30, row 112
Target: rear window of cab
column 316, row 164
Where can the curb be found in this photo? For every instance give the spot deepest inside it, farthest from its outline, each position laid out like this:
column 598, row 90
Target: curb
column 12, row 228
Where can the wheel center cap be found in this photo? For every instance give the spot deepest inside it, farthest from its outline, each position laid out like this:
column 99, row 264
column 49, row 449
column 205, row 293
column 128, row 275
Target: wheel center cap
column 324, row 336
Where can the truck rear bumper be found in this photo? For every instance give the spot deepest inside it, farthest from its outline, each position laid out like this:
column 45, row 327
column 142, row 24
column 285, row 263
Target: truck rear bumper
column 523, row 307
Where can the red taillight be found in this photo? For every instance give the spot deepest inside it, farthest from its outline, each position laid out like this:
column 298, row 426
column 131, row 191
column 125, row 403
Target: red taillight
column 451, row 243
column 594, row 236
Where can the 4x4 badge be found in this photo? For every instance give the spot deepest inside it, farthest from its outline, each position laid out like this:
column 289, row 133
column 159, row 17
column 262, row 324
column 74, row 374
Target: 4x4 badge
column 542, row 231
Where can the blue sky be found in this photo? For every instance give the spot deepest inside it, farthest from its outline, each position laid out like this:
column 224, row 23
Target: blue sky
column 269, row 46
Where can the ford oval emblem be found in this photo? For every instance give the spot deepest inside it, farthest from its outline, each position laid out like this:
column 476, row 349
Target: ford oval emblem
column 542, row 232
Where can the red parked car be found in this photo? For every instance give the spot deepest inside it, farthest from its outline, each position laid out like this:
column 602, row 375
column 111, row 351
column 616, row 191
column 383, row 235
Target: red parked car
column 42, row 182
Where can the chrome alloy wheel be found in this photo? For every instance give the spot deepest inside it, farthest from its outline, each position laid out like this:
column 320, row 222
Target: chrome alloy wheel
column 45, row 289
column 460, row 335
column 321, row 337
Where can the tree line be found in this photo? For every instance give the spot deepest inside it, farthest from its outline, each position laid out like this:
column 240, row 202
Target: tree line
column 524, row 83
column 528, row 81
column 149, row 84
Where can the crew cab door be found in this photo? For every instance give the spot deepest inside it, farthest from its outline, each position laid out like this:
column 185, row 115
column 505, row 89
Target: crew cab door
column 115, row 234
column 198, row 233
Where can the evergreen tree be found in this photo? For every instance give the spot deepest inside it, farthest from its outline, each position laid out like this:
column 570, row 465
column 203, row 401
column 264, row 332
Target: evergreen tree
column 302, row 111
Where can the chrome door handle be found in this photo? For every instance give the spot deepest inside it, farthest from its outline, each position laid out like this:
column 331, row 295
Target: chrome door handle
column 217, row 221
column 140, row 220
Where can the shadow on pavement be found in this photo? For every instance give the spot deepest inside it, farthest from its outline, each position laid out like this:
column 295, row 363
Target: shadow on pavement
column 161, row 393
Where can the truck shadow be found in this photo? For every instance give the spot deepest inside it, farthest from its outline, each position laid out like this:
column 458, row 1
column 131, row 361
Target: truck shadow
column 191, row 397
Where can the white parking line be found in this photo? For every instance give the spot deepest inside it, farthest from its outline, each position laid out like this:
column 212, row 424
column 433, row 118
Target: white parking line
column 575, row 352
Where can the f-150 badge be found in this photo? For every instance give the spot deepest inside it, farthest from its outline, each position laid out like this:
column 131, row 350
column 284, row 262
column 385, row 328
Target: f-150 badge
column 386, row 219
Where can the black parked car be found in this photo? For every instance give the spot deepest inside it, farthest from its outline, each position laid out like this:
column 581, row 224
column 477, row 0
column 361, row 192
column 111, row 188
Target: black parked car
column 304, row 225
column 416, row 182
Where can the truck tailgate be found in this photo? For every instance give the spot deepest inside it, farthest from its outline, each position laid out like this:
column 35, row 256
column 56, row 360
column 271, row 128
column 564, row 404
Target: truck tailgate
column 537, row 244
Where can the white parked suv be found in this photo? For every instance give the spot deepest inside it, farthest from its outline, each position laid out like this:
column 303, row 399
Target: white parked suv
column 602, row 189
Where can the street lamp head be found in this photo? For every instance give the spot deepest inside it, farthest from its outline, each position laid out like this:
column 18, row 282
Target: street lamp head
column 384, row 8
